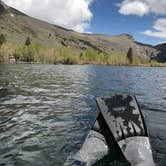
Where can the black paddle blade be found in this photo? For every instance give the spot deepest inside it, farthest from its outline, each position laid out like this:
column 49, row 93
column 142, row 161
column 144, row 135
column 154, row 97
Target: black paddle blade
column 122, row 115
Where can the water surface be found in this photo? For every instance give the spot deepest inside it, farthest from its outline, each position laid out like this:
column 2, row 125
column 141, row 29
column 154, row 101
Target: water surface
column 46, row 110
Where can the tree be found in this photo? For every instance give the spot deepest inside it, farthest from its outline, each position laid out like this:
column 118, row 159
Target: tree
column 16, row 56
column 28, row 41
column 28, row 55
column 130, row 55
column 2, row 39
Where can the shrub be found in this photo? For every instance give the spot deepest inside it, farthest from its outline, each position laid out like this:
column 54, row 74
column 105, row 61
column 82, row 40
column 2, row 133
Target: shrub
column 138, row 60
column 117, row 59
column 64, row 55
column 90, row 55
column 154, row 63
column 28, row 53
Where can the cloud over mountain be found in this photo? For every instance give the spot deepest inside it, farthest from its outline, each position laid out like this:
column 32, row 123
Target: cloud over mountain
column 142, row 7
column 72, row 14
column 159, row 29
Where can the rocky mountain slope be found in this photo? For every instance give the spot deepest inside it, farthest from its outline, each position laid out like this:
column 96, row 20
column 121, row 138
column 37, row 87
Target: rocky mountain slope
column 17, row 26
column 161, row 56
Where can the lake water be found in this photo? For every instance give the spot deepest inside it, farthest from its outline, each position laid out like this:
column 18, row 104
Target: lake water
column 47, row 110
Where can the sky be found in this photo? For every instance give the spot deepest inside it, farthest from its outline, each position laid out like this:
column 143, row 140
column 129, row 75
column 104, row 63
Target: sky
column 145, row 20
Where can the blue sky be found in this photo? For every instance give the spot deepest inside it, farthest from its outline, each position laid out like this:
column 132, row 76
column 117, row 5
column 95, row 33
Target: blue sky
column 108, row 20
column 145, row 20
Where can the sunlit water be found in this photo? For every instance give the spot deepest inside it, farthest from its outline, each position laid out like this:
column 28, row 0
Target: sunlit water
column 46, row 110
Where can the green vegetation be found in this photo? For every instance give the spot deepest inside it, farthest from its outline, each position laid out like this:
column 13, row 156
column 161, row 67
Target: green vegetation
column 32, row 52
column 36, row 52
column 154, row 63
column 91, row 56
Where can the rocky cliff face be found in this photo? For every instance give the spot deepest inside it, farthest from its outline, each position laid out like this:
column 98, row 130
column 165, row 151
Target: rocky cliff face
column 161, row 56
column 17, row 26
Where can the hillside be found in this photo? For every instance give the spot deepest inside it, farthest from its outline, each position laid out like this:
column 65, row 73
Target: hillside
column 161, row 56
column 17, row 26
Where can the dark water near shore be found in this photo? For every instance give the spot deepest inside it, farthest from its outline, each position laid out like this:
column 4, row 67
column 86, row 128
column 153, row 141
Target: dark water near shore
column 46, row 110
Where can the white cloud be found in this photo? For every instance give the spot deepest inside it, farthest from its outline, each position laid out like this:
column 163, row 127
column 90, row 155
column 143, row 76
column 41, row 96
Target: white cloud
column 159, row 29
column 142, row 7
column 72, row 14
column 133, row 8
column 157, row 6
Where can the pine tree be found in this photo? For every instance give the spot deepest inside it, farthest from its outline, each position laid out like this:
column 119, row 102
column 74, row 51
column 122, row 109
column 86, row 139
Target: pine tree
column 130, row 55
column 28, row 41
column 2, row 39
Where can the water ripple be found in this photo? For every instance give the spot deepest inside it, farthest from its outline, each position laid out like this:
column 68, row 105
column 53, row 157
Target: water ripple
column 47, row 110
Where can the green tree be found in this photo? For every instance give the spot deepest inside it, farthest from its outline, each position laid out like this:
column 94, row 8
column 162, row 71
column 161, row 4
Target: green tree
column 16, row 56
column 2, row 39
column 130, row 55
column 28, row 41
column 90, row 55
column 28, row 54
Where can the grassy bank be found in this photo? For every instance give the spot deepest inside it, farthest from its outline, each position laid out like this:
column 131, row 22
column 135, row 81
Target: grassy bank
column 38, row 53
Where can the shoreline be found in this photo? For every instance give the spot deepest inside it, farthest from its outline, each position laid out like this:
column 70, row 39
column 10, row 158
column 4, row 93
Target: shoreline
column 86, row 63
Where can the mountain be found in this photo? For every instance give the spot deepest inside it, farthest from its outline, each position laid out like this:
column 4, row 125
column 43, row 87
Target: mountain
column 17, row 26
column 161, row 56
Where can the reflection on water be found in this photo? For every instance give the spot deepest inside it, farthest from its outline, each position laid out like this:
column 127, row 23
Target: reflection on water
column 46, row 110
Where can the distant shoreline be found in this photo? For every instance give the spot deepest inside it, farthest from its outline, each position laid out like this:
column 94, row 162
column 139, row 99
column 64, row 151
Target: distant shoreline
column 35, row 53
column 87, row 63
